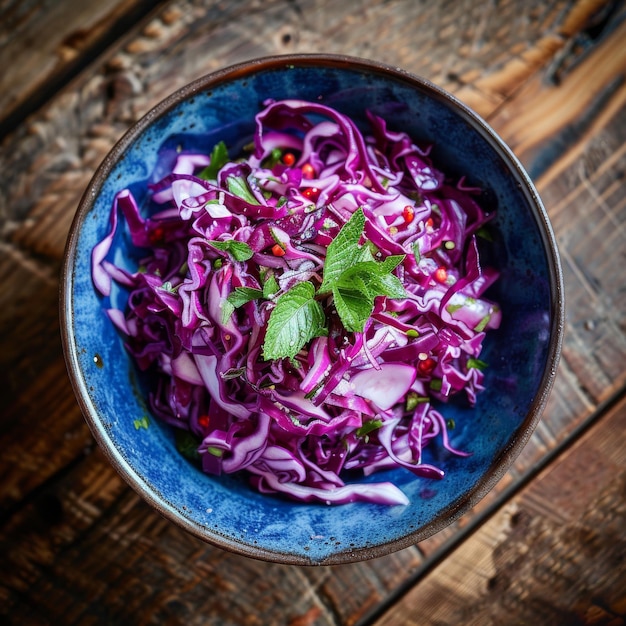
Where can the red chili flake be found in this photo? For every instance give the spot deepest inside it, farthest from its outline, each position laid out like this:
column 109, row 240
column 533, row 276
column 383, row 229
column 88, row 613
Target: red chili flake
column 289, row 159
column 203, row 421
column 308, row 171
column 156, row 235
column 426, row 366
column 441, row 275
column 408, row 213
column 278, row 250
column 312, row 193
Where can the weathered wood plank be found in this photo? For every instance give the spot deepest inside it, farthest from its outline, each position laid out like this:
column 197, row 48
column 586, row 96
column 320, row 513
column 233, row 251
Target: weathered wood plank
column 43, row 43
column 555, row 554
column 88, row 548
column 587, row 207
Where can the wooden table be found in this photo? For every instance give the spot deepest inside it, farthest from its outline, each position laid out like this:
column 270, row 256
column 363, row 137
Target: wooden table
column 547, row 546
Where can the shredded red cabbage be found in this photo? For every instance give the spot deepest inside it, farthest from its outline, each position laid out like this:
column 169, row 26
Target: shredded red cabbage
column 231, row 237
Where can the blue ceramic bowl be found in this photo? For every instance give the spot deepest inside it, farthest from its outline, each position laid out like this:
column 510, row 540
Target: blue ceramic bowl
column 522, row 354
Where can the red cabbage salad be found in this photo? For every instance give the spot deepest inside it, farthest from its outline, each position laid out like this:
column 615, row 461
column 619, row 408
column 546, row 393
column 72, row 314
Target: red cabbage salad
column 306, row 307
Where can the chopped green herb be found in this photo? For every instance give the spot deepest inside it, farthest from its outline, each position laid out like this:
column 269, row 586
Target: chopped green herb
column 239, row 250
column 413, row 399
column 416, row 252
column 476, row 364
column 218, row 452
column 270, row 287
column 242, row 295
column 368, row 427
column 272, row 158
column 452, row 308
column 187, row 444
column 435, row 384
column 219, row 158
column 238, row 186
column 343, row 251
column 483, row 323
column 228, row 308
column 141, row 423
column 412, row 333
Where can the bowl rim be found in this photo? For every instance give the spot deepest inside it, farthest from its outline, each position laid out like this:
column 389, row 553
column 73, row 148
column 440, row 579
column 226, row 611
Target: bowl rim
column 517, row 440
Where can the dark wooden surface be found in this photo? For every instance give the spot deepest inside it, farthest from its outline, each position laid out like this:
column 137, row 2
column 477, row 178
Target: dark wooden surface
column 546, row 546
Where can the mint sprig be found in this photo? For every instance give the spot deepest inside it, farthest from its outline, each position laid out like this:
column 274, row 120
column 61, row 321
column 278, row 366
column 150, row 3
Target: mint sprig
column 238, row 186
column 344, row 251
column 353, row 277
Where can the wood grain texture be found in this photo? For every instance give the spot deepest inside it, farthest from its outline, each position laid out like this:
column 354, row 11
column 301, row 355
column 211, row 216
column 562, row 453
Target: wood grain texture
column 76, row 544
column 43, row 42
column 555, row 554
column 88, row 550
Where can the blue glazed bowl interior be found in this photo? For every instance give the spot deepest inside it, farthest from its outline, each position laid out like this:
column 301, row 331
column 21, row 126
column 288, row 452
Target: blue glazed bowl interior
column 522, row 354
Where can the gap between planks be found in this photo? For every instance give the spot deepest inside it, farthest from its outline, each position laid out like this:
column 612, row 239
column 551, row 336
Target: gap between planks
column 507, row 495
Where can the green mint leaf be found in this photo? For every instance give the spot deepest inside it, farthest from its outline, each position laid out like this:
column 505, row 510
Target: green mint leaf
column 296, row 319
column 390, row 286
column 485, row 233
column 416, row 252
column 369, row 278
column 270, row 287
column 343, row 251
column 167, row 286
column 239, row 250
column 228, row 308
column 242, row 295
column 219, row 158
column 187, row 444
column 390, row 263
column 368, row 427
column 353, row 307
column 238, row 186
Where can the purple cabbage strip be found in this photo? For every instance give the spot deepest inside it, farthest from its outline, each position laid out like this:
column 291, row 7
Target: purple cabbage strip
column 348, row 403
